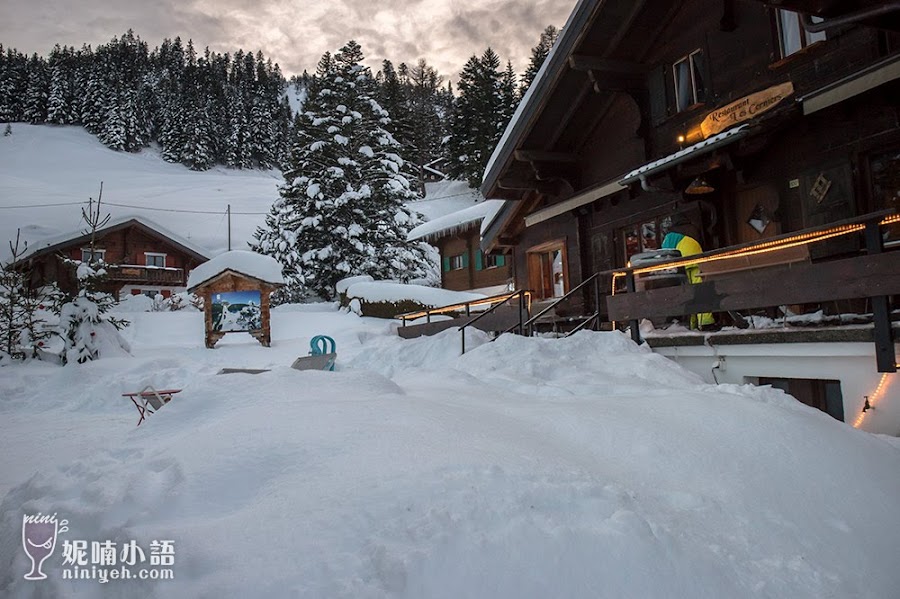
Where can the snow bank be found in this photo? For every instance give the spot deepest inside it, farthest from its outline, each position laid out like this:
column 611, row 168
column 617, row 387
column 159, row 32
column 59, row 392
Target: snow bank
column 526, row 468
column 258, row 266
column 342, row 285
column 380, row 291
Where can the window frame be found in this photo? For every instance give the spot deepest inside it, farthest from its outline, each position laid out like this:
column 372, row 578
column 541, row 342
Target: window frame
column 806, row 38
column 692, row 69
column 148, row 255
column 97, row 252
column 457, row 262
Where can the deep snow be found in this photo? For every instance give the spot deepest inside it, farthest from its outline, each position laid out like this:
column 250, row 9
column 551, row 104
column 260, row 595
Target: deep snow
column 581, row 467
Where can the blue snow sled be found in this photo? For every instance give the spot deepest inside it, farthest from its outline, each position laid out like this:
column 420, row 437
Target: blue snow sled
column 322, row 354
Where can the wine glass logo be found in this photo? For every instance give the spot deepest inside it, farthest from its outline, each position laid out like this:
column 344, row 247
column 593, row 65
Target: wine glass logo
column 39, row 540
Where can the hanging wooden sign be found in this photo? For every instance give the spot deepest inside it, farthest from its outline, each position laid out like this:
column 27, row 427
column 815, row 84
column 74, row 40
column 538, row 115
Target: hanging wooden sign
column 744, row 109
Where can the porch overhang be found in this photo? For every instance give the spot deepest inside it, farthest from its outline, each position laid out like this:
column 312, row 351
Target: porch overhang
column 585, row 197
column 699, row 149
column 865, row 80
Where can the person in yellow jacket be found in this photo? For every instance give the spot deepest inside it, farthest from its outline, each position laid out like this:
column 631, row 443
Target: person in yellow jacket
column 683, row 237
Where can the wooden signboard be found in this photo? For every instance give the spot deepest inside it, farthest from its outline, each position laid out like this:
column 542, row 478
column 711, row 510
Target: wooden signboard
column 235, row 303
column 744, row 109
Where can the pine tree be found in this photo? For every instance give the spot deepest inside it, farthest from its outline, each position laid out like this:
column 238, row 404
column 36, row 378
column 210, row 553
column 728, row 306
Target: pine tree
column 60, row 109
column 342, row 207
column 83, row 316
column 35, row 109
column 480, row 114
column 12, row 309
column 538, row 55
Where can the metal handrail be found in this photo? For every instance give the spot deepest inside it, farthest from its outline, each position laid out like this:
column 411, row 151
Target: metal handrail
column 532, row 320
column 519, row 293
column 428, row 312
column 589, row 319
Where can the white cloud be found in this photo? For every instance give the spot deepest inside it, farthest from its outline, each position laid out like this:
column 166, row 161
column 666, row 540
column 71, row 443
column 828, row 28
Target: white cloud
column 295, row 34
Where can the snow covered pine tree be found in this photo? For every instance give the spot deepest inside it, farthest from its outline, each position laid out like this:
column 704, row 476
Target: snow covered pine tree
column 83, row 320
column 342, row 209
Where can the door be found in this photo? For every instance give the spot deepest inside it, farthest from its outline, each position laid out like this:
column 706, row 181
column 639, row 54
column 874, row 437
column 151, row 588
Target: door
column 548, row 270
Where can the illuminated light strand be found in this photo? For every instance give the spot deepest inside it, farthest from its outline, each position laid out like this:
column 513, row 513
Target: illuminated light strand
column 875, row 396
column 454, row 307
column 772, row 246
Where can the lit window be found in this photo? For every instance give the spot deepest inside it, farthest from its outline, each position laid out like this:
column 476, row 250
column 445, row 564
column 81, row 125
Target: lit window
column 457, row 262
column 690, row 82
column 792, row 37
column 155, row 259
column 98, row 255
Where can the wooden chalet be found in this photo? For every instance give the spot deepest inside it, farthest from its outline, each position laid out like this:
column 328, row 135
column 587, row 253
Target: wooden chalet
column 143, row 258
column 464, row 266
column 773, row 127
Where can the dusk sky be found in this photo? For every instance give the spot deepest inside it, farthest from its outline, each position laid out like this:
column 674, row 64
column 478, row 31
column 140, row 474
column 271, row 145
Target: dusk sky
column 294, row 33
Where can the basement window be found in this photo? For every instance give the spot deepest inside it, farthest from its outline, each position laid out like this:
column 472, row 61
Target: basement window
column 822, row 394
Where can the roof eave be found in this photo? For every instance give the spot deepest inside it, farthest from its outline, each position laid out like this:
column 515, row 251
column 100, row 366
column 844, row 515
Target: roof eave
column 546, row 80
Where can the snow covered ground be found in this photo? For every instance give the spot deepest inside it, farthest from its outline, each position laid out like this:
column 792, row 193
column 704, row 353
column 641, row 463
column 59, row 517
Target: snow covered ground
column 580, row 467
column 46, row 164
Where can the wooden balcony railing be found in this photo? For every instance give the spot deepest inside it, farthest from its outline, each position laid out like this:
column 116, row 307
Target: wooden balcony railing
column 749, row 277
column 134, row 273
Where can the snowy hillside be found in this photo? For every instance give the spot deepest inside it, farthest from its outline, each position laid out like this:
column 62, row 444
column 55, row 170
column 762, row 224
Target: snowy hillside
column 45, row 164
column 580, row 467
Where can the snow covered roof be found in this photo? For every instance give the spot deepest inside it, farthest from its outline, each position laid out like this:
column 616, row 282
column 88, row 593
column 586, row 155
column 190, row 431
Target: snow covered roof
column 56, row 242
column 455, row 221
column 243, row 262
column 707, row 145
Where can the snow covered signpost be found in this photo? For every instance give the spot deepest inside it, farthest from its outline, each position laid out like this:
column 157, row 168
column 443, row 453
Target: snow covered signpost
column 235, row 287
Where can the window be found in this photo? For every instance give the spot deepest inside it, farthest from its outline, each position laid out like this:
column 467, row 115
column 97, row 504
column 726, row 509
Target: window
column 792, row 37
column 822, row 394
column 494, row 260
column 457, row 262
column 484, row 261
column 153, row 259
column 690, row 80
column 644, row 236
column 98, row 256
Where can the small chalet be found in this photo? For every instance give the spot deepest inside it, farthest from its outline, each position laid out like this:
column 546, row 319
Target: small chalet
column 143, row 258
column 464, row 266
column 772, row 129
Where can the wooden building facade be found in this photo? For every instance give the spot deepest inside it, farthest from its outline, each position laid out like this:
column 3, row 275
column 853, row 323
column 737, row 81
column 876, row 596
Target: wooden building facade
column 730, row 113
column 142, row 258
column 464, row 265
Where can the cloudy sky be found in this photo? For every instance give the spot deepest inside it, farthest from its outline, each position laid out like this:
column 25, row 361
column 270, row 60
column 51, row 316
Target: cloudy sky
column 295, row 33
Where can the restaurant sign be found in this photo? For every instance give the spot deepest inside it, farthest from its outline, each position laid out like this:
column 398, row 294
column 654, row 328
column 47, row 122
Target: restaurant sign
column 744, row 109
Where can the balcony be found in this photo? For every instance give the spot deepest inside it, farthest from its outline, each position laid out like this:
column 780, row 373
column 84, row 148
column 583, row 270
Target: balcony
column 135, row 273
column 775, row 272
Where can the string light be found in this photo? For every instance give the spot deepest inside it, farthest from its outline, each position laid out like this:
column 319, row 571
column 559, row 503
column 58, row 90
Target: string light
column 769, row 246
column 883, row 384
column 454, row 307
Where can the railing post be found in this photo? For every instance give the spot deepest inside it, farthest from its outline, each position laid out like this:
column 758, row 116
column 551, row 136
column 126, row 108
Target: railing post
column 462, row 331
column 885, row 356
column 597, row 301
column 521, row 312
column 635, row 329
